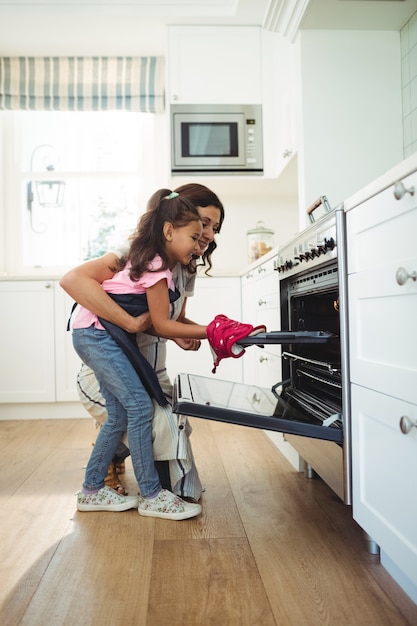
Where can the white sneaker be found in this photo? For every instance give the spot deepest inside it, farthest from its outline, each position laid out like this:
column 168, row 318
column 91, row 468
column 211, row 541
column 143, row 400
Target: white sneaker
column 168, row 506
column 105, row 499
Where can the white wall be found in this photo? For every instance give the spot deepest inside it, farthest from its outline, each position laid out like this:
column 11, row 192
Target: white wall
column 242, row 213
column 351, row 111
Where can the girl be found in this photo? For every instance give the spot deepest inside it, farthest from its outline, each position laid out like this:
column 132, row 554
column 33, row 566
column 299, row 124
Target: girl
column 172, row 446
column 167, row 234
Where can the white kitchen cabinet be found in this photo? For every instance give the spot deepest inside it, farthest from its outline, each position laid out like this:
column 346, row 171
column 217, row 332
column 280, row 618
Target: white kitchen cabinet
column 27, row 341
column 213, row 295
column 39, row 363
column 239, row 65
column 281, row 106
column 382, row 296
column 260, row 305
column 214, row 65
column 67, row 359
column 262, row 366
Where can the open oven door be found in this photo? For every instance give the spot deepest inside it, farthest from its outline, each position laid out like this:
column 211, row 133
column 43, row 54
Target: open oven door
column 249, row 405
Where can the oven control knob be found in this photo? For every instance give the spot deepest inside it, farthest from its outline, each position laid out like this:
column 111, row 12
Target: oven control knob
column 321, row 250
column 288, row 265
column 329, row 244
column 314, row 253
column 308, row 255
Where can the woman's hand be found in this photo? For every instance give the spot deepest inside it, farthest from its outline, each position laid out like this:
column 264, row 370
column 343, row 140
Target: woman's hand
column 188, row 344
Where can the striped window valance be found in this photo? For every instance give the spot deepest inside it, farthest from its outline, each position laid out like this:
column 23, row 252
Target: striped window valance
column 82, row 83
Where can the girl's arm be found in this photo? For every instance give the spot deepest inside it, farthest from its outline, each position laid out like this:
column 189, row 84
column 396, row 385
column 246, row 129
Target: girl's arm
column 186, row 344
column 158, row 303
column 83, row 284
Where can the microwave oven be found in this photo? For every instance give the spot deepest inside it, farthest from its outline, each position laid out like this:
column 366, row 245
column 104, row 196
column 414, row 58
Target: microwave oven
column 216, row 139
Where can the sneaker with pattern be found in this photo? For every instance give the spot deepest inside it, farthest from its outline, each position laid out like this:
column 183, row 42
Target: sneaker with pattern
column 105, row 499
column 167, row 505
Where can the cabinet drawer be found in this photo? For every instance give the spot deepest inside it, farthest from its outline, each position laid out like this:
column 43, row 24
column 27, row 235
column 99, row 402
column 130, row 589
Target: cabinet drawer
column 383, row 333
column 384, row 468
column 269, row 366
column 382, row 228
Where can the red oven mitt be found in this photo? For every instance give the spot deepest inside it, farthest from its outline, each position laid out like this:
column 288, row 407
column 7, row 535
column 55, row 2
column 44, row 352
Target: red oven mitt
column 223, row 335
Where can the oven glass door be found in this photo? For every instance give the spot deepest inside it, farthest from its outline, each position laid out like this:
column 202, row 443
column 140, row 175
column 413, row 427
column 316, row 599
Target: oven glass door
column 247, row 405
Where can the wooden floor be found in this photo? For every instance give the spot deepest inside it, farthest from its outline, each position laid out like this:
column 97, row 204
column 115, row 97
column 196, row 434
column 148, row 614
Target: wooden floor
column 271, row 547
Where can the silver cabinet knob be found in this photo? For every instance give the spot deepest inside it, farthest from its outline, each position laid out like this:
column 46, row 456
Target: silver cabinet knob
column 400, row 190
column 262, row 359
column 402, row 276
column 261, row 302
column 406, row 425
column 48, row 285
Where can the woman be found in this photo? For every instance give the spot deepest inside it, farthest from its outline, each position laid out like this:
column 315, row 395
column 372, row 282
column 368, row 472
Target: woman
column 84, row 285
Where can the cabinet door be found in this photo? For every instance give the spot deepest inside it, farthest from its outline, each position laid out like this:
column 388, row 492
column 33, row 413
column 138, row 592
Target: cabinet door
column 384, row 469
column 383, row 333
column 382, row 300
column 212, row 296
column 260, row 305
column 214, row 64
column 67, row 361
column 382, row 230
column 248, row 315
column 280, row 118
column 27, row 341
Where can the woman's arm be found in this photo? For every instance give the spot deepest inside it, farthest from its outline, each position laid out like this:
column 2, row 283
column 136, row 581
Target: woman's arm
column 158, row 303
column 83, row 284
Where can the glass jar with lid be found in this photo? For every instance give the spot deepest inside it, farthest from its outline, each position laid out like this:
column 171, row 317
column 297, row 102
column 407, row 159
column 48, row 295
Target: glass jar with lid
column 260, row 241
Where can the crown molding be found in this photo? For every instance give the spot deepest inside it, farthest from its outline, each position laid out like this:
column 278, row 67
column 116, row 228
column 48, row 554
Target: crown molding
column 284, row 16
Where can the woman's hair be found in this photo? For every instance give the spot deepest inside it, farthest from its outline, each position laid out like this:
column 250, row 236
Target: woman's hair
column 148, row 238
column 201, row 196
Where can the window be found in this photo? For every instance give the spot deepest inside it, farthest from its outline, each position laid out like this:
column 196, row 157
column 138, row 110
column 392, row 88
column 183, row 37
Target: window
column 98, row 156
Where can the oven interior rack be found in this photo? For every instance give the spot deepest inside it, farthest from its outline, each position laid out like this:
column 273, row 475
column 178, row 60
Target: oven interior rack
column 283, row 336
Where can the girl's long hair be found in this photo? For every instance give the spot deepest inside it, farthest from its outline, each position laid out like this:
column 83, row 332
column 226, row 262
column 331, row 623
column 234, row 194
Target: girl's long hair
column 148, row 238
column 202, row 196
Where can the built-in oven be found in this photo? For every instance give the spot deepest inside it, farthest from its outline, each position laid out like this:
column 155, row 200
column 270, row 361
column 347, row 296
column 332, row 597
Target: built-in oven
column 310, row 401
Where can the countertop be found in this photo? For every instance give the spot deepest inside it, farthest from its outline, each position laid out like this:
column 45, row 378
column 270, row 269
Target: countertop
column 400, row 171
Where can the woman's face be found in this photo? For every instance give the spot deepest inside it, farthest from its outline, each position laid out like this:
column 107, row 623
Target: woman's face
column 210, row 217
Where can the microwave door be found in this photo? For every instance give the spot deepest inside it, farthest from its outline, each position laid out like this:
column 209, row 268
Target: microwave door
column 209, row 140
column 246, row 405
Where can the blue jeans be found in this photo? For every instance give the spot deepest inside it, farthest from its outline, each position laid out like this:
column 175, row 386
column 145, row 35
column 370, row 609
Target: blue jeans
column 129, row 408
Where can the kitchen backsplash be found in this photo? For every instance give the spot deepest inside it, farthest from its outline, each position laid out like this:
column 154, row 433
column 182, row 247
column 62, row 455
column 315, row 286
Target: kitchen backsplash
column 409, row 84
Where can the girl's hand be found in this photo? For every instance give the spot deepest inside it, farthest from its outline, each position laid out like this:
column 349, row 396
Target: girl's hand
column 188, row 344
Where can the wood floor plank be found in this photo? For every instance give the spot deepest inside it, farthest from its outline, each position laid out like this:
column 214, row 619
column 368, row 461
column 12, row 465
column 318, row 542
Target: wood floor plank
column 100, row 574
column 220, row 517
column 271, row 547
column 206, row 582
column 311, row 574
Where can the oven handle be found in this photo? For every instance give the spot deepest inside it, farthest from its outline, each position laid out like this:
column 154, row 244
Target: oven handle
column 322, row 200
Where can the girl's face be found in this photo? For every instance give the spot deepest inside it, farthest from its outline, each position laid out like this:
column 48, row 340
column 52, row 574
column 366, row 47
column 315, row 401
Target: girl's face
column 210, row 218
column 182, row 243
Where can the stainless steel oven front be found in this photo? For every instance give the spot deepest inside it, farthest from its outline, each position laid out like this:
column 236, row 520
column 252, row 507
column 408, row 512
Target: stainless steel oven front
column 310, row 404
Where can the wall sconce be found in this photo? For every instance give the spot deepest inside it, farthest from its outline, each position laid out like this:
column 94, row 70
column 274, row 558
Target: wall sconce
column 49, row 193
